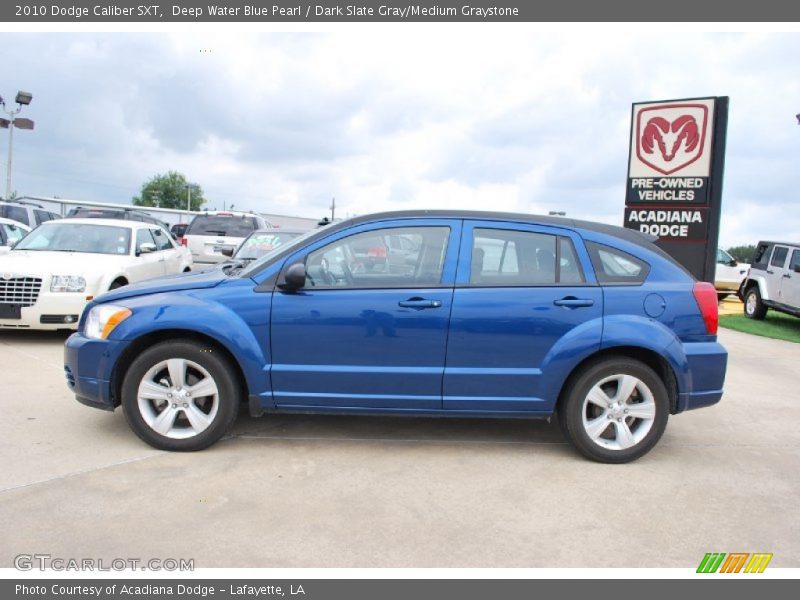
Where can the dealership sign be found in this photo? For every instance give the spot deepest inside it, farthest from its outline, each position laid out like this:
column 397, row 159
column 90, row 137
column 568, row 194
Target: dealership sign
column 675, row 176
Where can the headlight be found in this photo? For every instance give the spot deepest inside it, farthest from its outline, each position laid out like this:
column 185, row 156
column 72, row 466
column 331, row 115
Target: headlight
column 102, row 320
column 67, row 283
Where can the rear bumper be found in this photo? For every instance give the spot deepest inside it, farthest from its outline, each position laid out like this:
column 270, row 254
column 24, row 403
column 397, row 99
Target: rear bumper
column 706, row 365
column 88, row 366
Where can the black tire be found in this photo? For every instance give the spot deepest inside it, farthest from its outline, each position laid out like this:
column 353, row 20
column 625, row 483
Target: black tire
column 227, row 399
column 117, row 284
column 754, row 307
column 721, row 296
column 574, row 402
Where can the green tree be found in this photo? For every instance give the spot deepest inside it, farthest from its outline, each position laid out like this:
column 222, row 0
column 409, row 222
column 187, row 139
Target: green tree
column 170, row 191
column 742, row 253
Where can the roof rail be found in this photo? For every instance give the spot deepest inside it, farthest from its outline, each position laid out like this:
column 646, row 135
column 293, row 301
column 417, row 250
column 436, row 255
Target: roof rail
column 24, row 202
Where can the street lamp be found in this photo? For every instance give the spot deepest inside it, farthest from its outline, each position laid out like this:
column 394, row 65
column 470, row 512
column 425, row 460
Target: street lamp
column 22, row 99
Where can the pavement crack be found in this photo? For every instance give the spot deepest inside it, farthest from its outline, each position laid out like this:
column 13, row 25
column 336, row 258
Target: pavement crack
column 81, row 472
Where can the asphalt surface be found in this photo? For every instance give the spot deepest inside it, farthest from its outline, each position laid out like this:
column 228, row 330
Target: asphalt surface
column 305, row 491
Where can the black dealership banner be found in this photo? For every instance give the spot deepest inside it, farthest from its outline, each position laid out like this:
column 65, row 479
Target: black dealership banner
column 282, row 11
column 391, row 589
column 674, row 186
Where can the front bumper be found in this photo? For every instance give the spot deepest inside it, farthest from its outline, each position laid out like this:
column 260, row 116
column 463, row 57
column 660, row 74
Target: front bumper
column 53, row 307
column 88, row 367
column 706, row 365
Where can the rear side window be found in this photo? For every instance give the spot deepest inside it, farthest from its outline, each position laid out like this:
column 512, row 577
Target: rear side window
column 761, row 256
column 522, row 258
column 222, row 226
column 779, row 256
column 16, row 213
column 612, row 265
column 795, row 264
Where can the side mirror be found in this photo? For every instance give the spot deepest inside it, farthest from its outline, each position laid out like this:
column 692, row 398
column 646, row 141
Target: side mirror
column 146, row 248
column 294, row 277
column 733, row 263
column 227, row 252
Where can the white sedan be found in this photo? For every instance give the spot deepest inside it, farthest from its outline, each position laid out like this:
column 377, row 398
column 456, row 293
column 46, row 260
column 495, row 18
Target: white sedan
column 48, row 277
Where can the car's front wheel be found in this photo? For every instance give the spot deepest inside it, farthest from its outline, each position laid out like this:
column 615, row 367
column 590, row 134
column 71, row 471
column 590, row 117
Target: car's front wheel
column 614, row 410
column 180, row 395
column 754, row 307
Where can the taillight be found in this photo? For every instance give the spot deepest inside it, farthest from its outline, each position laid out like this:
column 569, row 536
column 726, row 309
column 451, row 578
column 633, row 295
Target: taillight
column 706, row 297
column 183, row 241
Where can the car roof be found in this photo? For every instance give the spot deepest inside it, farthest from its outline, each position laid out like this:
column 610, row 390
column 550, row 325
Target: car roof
column 107, row 222
column 630, row 235
column 779, row 243
column 226, row 213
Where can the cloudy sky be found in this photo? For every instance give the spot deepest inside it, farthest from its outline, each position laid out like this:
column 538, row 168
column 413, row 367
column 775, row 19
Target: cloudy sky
column 484, row 117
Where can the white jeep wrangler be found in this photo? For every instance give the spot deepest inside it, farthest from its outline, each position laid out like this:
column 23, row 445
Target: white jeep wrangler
column 773, row 280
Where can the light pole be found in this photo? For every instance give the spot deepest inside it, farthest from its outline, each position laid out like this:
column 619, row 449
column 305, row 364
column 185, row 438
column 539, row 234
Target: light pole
column 189, row 187
column 22, row 99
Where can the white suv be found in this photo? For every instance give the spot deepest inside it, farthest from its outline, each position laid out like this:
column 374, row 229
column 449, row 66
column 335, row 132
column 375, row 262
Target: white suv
column 213, row 237
column 25, row 212
column 773, row 280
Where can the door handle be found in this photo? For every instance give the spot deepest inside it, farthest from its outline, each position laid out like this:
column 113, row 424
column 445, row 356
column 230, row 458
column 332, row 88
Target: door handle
column 419, row 303
column 572, row 302
column 787, row 276
column 770, row 272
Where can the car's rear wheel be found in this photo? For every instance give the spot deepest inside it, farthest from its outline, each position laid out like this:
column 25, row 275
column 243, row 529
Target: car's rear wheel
column 614, row 410
column 754, row 307
column 180, row 395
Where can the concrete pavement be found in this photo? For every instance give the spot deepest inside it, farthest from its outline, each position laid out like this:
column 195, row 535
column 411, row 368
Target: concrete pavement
column 305, row 491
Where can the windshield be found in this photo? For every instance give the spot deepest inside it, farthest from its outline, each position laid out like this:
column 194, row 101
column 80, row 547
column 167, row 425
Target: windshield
column 257, row 264
column 260, row 242
column 77, row 237
column 232, row 226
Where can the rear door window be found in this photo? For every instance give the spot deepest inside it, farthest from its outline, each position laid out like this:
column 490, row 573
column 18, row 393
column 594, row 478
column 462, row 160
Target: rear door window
column 779, row 256
column 503, row 257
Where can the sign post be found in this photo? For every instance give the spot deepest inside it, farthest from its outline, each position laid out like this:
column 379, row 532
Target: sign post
column 675, row 167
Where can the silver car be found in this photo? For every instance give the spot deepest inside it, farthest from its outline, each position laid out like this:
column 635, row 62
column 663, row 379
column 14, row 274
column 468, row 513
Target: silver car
column 213, row 237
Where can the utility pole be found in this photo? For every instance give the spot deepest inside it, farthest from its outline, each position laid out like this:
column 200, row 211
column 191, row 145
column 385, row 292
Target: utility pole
column 333, row 208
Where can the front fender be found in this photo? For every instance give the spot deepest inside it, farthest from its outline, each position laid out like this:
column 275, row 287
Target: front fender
column 210, row 317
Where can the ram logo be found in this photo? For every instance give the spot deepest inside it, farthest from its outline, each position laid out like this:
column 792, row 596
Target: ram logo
column 670, row 137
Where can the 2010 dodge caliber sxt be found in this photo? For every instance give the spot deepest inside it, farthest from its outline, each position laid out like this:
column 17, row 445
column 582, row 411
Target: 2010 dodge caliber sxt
column 440, row 313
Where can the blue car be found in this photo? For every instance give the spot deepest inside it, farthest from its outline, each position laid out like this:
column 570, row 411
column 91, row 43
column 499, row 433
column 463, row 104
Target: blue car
column 468, row 314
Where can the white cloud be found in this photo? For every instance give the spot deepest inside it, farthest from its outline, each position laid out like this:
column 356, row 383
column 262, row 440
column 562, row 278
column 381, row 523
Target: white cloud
column 483, row 118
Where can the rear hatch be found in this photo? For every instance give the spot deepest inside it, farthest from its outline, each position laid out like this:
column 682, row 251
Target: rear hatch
column 208, row 236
